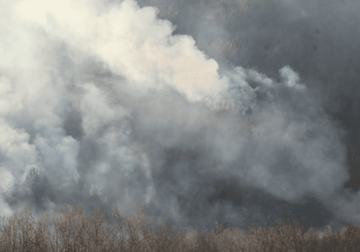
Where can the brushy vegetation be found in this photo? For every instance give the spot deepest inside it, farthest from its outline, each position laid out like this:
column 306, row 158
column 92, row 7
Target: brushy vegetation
column 70, row 229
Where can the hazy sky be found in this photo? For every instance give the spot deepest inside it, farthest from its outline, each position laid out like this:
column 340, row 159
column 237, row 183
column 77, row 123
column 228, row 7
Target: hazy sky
column 197, row 111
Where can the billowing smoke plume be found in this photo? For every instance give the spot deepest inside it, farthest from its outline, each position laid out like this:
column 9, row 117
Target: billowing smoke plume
column 107, row 104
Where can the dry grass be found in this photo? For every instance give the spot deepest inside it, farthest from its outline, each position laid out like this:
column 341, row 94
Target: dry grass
column 70, row 229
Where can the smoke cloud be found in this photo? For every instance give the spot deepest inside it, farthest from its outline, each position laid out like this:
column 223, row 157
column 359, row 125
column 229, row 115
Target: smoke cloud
column 108, row 103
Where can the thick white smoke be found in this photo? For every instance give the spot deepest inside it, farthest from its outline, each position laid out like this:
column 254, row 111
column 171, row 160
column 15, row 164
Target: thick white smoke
column 102, row 99
column 133, row 42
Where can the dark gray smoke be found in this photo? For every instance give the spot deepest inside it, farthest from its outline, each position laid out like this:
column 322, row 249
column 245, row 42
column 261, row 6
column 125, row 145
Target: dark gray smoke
column 235, row 111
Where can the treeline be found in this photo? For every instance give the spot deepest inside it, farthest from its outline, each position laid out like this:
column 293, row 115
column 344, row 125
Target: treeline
column 70, row 229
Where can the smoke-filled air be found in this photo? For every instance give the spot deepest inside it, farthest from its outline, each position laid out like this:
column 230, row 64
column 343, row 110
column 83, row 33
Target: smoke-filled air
column 233, row 111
